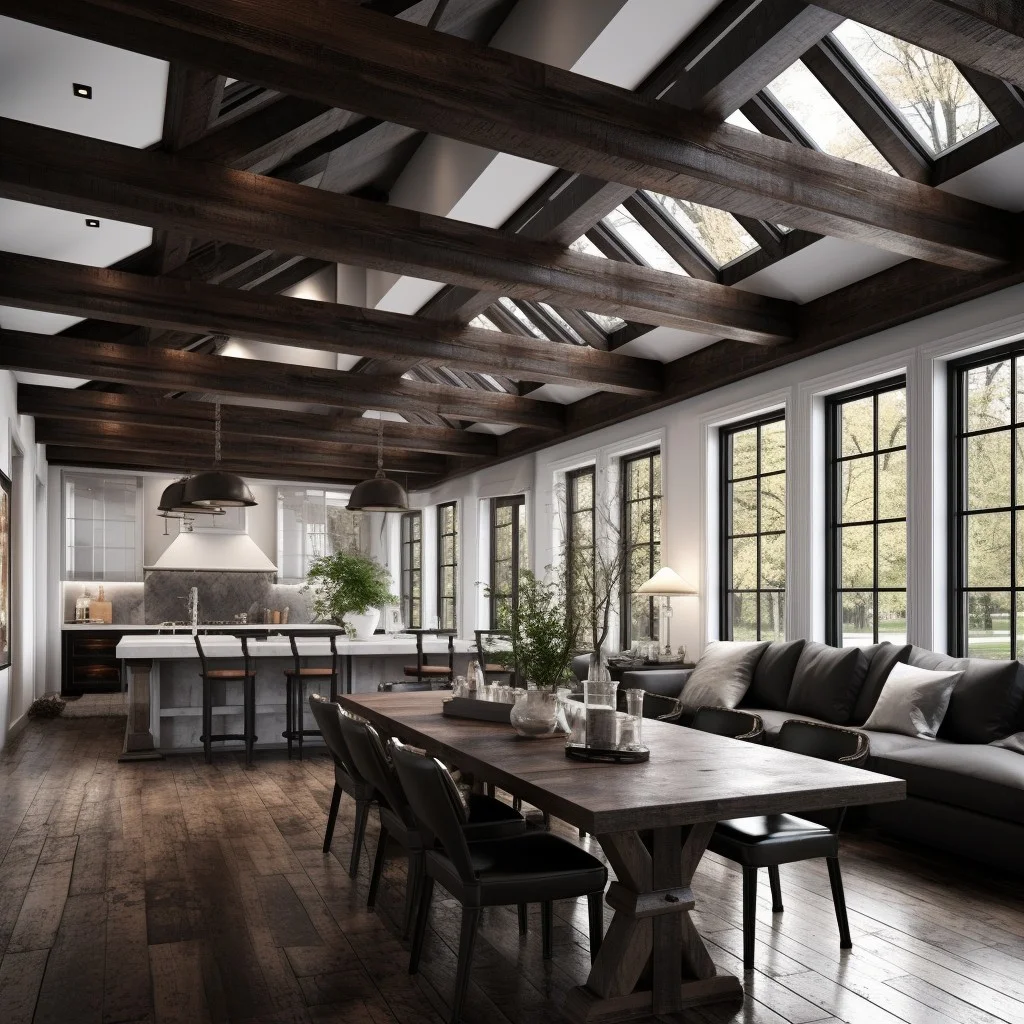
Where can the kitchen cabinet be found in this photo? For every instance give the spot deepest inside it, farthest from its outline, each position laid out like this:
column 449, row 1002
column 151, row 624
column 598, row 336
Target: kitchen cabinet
column 89, row 662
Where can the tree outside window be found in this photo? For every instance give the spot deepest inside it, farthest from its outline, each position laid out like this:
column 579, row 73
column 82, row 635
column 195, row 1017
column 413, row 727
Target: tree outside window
column 641, row 525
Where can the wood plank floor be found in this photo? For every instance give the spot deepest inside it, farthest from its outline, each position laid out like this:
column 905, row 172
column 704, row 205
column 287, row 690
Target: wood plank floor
column 175, row 893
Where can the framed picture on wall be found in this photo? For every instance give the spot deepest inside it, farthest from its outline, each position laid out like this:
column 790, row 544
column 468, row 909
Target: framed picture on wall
column 6, row 498
column 392, row 619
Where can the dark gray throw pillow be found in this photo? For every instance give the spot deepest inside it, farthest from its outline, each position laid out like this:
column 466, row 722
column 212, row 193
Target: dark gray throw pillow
column 774, row 676
column 986, row 701
column 881, row 658
column 723, row 674
column 827, row 682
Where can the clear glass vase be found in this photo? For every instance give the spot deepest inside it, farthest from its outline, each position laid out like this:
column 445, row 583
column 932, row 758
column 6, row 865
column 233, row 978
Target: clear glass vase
column 535, row 713
column 598, row 669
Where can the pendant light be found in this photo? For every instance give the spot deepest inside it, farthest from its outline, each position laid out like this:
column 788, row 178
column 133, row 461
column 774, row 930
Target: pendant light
column 379, row 494
column 172, row 503
column 217, row 488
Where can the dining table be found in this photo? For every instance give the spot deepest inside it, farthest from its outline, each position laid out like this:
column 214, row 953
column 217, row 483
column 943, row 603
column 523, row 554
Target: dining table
column 653, row 821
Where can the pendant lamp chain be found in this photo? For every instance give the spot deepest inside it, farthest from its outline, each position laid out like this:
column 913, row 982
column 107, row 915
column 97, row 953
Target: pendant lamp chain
column 380, row 448
column 216, row 433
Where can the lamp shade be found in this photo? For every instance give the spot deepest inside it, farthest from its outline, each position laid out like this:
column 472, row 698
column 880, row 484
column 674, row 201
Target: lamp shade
column 217, row 488
column 173, row 501
column 378, row 494
column 666, row 583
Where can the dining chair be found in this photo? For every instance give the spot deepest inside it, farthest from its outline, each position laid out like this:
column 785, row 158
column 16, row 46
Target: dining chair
column 774, row 839
column 486, row 818
column 347, row 778
column 419, row 686
column 535, row 867
column 740, row 725
column 295, row 680
column 247, row 677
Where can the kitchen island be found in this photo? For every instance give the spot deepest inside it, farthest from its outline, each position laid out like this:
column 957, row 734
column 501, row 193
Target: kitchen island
column 165, row 693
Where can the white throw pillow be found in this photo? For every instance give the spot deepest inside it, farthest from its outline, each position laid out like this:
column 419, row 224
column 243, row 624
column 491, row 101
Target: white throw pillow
column 723, row 675
column 913, row 701
column 1014, row 742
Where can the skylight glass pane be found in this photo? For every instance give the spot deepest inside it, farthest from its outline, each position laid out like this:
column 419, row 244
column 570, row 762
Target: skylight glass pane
column 586, row 246
column 928, row 90
column 483, row 322
column 623, row 224
column 814, row 108
column 512, row 308
column 564, row 324
column 718, row 233
column 605, row 322
column 738, row 118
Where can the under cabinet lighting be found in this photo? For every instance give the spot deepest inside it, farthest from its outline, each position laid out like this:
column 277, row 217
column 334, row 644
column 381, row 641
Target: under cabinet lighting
column 91, row 222
column 83, row 92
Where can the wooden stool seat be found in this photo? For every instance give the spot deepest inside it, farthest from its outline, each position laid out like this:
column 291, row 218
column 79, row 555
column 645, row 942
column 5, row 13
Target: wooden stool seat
column 427, row 670
column 326, row 673
column 497, row 668
column 227, row 673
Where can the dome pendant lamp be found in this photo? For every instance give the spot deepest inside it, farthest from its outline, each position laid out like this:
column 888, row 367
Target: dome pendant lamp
column 172, row 503
column 379, row 494
column 217, row 488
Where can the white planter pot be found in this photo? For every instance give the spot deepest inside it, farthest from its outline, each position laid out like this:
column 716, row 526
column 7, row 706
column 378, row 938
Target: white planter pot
column 363, row 623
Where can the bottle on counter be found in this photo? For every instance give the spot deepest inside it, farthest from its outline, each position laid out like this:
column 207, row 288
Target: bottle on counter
column 86, row 601
column 81, row 603
column 284, row 616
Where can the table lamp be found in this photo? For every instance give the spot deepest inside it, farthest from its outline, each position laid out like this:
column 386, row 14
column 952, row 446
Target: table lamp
column 667, row 583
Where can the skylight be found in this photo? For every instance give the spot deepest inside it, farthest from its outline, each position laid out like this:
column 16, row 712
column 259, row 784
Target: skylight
column 623, row 224
column 563, row 323
column 510, row 307
column 605, row 322
column 928, row 90
column 819, row 114
column 740, row 120
column 482, row 322
column 585, row 246
column 718, row 233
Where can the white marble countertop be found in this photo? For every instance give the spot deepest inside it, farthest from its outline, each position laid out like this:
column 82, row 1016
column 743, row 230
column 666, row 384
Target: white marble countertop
column 182, row 646
column 286, row 627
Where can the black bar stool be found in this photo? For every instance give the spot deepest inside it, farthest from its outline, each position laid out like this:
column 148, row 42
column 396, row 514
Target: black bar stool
column 295, row 688
column 247, row 676
column 422, row 671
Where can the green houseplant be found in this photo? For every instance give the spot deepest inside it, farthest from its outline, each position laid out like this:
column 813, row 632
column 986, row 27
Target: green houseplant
column 349, row 589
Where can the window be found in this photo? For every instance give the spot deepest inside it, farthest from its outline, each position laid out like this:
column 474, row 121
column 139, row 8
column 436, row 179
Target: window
column 623, row 224
column 312, row 522
column 819, row 114
column 927, row 90
column 987, row 491
column 579, row 541
column 753, row 529
column 411, row 578
column 447, row 565
column 641, row 524
column 867, row 515
column 103, row 527
column 508, row 549
column 718, row 234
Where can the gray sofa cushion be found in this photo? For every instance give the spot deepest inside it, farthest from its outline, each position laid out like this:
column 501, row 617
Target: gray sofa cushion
column 980, row 778
column 668, row 682
column 913, row 701
column 827, row 682
column 723, row 675
column 986, row 702
column 881, row 658
column 774, row 675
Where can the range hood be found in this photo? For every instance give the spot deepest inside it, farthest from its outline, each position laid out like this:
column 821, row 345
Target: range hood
column 213, row 552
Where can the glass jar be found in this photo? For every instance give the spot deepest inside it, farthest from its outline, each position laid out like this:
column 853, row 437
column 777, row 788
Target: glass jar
column 602, row 724
column 631, row 728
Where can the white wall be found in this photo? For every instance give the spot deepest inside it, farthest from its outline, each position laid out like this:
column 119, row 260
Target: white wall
column 688, row 434
column 27, row 676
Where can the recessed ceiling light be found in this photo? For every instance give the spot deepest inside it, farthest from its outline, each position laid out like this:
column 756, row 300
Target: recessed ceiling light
column 83, row 92
column 91, row 222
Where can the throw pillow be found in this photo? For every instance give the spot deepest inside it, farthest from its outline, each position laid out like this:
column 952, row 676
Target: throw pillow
column 723, row 675
column 827, row 682
column 986, row 702
column 774, row 676
column 881, row 658
column 913, row 702
column 1014, row 742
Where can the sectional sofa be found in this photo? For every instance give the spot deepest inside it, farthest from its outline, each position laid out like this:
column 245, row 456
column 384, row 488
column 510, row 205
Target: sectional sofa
column 965, row 795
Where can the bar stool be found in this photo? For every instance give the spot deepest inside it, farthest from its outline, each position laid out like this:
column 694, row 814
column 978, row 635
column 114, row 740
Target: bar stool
column 423, row 672
column 247, row 676
column 295, row 688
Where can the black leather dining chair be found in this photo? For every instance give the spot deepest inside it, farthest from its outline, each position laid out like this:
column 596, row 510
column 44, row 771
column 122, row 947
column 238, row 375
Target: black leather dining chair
column 347, row 778
column 774, row 839
column 536, row 867
column 247, row 677
column 740, row 725
column 486, row 818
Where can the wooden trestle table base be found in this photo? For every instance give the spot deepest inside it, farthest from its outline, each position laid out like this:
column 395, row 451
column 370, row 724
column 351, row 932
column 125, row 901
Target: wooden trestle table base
column 653, row 821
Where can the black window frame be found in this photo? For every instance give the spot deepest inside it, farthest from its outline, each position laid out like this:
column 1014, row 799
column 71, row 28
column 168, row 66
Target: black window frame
column 958, row 512
column 517, row 502
column 654, row 560
column 833, row 504
column 572, row 542
column 411, row 578
column 725, row 535
column 444, row 599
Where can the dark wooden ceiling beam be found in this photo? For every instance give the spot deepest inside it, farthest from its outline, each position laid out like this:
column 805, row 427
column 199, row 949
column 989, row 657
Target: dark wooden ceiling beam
column 171, row 371
column 983, row 34
column 246, row 209
column 33, row 283
column 403, row 73
column 1006, row 101
column 120, row 435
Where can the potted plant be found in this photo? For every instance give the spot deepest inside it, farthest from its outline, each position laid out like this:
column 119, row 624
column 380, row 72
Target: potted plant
column 349, row 589
column 544, row 632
